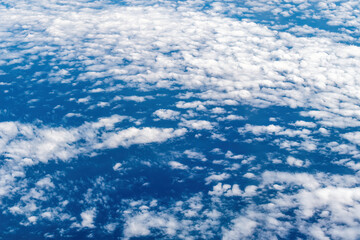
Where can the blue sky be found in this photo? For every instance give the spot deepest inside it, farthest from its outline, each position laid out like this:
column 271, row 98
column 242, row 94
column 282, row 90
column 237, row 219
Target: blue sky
column 179, row 119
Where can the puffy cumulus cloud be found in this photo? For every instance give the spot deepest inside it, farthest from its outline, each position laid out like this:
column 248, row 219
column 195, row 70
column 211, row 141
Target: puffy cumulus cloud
column 353, row 137
column 242, row 228
column 117, row 167
column 87, row 219
column 166, row 114
column 197, row 124
column 108, row 122
column 231, row 117
column 257, row 130
column 138, row 99
column 134, row 135
column 228, row 190
column 45, row 182
column 343, row 148
column 70, row 115
column 301, row 179
column 177, row 165
column 352, row 164
column 275, row 130
column 216, row 177
column 296, row 162
column 198, row 105
column 142, row 224
column 231, row 155
column 301, row 123
column 110, row 227
column 218, row 110
column 193, row 154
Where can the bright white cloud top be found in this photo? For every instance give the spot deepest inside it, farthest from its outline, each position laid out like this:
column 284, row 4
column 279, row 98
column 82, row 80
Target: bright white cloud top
column 179, row 119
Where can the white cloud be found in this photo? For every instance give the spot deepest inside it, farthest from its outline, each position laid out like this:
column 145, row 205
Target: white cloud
column 45, row 182
column 249, row 175
column 229, row 154
column 195, row 155
column 32, row 219
column 216, row 178
column 134, row 98
column 134, row 135
column 117, row 167
column 197, row 124
column 295, row 162
column 242, row 228
column 69, row 115
column 301, row 123
column 88, row 218
column 353, row 137
column 166, row 114
column 231, row 117
column 110, row 227
column 177, row 165
column 228, row 190
column 257, row 130
column 218, row 110
column 84, row 100
column 108, row 122
column 141, row 225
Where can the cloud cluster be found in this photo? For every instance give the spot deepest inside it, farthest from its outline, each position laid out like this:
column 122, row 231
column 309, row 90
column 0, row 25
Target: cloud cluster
column 208, row 59
column 227, row 59
column 25, row 145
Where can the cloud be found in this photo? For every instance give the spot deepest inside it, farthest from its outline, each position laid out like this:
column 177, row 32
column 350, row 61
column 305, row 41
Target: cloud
column 177, row 165
column 216, row 178
column 134, row 135
column 228, row 190
column 110, row 228
column 45, row 182
column 231, row 117
column 353, row 137
column 195, row 155
column 88, row 218
column 296, row 162
column 135, row 98
column 141, row 225
column 108, row 122
column 242, row 228
column 197, row 124
column 305, row 124
column 117, row 167
column 166, row 114
column 257, row 130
